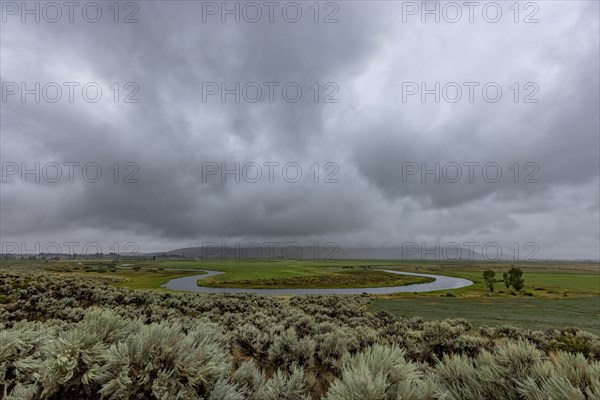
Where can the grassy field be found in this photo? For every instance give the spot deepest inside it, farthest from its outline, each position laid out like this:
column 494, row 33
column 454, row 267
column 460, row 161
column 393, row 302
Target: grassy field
column 329, row 278
column 148, row 280
column 555, row 295
column 542, row 279
column 531, row 313
column 265, row 274
column 139, row 278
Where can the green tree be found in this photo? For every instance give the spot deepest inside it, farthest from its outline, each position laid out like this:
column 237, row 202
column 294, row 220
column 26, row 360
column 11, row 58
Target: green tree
column 506, row 278
column 489, row 277
column 516, row 278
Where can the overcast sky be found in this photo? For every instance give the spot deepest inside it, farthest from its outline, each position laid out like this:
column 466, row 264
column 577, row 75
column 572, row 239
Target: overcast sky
column 369, row 135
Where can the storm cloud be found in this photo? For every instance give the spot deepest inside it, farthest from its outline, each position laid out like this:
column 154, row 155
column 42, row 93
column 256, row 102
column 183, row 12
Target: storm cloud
column 378, row 163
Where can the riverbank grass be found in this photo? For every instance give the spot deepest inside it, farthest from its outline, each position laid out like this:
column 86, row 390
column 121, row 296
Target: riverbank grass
column 330, row 278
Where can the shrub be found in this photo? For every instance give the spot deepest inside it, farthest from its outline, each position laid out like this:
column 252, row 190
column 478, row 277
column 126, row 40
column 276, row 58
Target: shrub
column 160, row 362
column 284, row 386
column 517, row 370
column 249, row 379
column 21, row 348
column 331, row 346
column 380, row 372
column 70, row 367
column 289, row 350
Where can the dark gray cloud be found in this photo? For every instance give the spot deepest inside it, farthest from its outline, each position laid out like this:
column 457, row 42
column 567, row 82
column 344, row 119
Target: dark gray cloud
column 370, row 133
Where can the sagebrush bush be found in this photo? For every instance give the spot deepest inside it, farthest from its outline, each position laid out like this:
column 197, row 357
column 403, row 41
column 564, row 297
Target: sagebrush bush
column 517, row 370
column 380, row 373
column 160, row 362
column 289, row 350
column 21, row 350
column 284, row 386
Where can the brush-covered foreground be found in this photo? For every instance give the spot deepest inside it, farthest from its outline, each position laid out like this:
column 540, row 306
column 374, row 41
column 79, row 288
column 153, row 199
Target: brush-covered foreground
column 69, row 337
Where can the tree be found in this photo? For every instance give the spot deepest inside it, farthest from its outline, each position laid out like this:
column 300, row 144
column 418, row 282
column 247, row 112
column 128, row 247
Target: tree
column 489, row 277
column 516, row 278
column 506, row 278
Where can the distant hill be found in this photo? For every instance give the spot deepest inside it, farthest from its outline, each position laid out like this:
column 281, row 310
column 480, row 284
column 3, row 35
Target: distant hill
column 292, row 252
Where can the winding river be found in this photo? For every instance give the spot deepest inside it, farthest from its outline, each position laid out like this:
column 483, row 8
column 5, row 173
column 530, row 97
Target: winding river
column 189, row 283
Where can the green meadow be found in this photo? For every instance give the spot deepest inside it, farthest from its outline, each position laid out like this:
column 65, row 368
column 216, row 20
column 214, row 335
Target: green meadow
column 542, row 279
column 530, row 313
column 556, row 294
